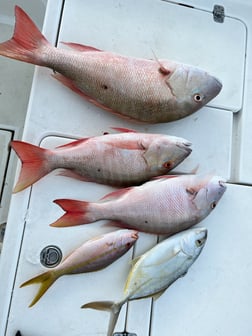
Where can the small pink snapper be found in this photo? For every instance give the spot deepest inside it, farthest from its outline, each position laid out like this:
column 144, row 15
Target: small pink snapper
column 122, row 159
column 165, row 205
column 157, row 269
column 151, row 91
column 93, row 255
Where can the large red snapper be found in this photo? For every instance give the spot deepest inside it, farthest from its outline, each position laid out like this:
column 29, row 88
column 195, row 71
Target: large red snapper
column 93, row 255
column 146, row 90
column 165, row 205
column 115, row 159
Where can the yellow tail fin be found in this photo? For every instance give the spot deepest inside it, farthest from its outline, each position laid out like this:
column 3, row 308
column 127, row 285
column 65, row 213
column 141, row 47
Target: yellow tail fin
column 46, row 280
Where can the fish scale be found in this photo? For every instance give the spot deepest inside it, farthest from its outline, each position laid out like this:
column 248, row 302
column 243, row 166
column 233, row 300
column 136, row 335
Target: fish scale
column 122, row 159
column 150, row 91
column 165, row 205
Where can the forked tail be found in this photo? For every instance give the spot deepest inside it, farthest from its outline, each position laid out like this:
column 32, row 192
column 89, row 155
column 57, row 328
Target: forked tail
column 46, row 280
column 27, row 41
column 112, row 307
column 34, row 163
column 77, row 213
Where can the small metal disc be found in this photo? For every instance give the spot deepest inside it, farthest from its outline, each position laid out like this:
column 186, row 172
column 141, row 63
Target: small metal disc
column 50, row 256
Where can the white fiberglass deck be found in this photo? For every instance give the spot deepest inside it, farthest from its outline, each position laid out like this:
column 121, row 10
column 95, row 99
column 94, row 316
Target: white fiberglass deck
column 214, row 297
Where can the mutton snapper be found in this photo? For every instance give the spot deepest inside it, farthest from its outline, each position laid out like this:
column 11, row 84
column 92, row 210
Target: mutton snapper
column 156, row 270
column 93, row 255
column 123, row 159
column 151, row 91
column 165, row 205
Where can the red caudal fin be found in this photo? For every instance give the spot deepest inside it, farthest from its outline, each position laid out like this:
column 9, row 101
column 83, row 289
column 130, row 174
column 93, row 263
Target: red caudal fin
column 34, row 164
column 77, row 213
column 26, row 42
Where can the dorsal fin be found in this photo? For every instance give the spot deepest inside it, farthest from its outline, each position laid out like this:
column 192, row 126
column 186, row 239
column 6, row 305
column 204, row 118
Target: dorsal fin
column 115, row 194
column 163, row 177
column 73, row 143
column 80, row 47
column 124, row 130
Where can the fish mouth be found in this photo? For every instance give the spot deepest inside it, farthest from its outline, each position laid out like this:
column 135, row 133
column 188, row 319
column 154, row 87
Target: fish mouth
column 217, row 85
column 134, row 235
column 202, row 232
column 218, row 82
column 221, row 181
column 211, row 89
column 222, row 184
column 185, row 145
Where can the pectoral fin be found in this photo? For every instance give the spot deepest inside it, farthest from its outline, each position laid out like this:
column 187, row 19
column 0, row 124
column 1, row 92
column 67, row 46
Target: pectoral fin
column 168, row 256
column 162, row 69
column 191, row 191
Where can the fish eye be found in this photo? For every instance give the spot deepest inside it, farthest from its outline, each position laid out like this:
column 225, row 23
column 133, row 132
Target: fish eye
column 213, row 205
column 198, row 97
column 167, row 164
column 199, row 242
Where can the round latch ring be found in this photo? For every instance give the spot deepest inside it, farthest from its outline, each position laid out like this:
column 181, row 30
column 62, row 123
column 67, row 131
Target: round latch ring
column 50, row 256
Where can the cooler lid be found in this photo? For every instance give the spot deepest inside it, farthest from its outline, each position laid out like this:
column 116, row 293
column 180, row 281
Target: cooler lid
column 167, row 30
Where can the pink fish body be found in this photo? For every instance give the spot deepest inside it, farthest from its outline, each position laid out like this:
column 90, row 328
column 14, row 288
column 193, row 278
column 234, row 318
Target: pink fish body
column 165, row 205
column 145, row 90
column 115, row 159
column 93, row 255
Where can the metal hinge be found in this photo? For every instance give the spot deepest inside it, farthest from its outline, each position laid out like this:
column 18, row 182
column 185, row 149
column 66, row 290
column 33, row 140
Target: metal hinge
column 218, row 13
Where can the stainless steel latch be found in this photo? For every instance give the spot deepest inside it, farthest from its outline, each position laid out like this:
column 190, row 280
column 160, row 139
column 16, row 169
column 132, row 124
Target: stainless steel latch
column 218, row 13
